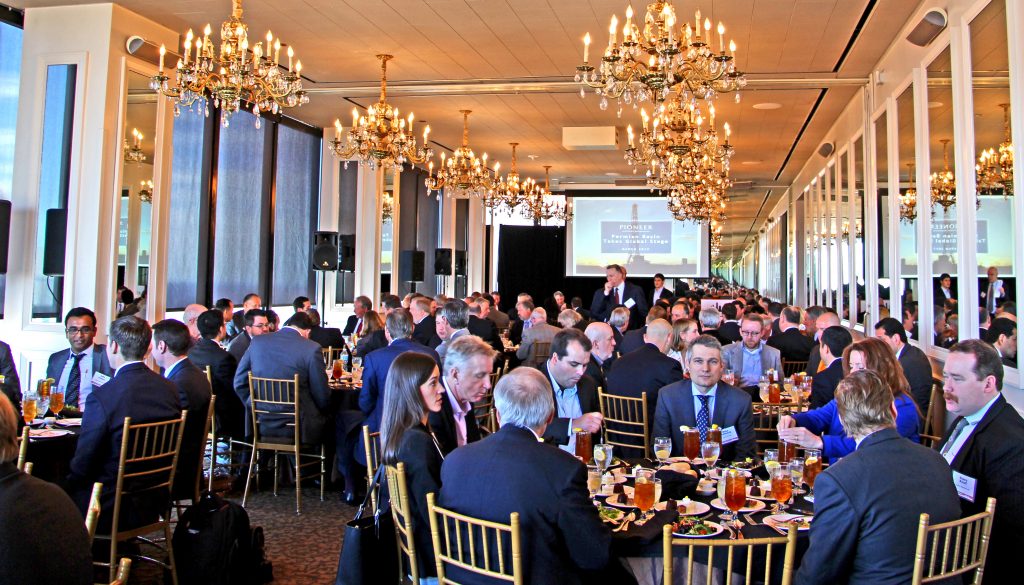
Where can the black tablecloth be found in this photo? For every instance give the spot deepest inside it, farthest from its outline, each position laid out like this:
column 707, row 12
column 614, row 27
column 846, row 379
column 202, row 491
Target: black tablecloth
column 51, row 456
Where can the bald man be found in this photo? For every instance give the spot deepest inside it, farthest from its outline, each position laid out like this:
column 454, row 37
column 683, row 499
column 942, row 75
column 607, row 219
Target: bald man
column 647, row 368
column 602, row 352
column 823, row 322
column 190, row 317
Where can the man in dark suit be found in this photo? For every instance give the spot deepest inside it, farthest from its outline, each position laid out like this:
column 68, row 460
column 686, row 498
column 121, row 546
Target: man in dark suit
column 916, row 366
column 634, row 338
column 730, row 327
column 555, row 304
column 617, row 292
column 483, row 328
column 790, row 341
column 775, row 310
column 703, row 401
column 207, row 352
column 256, row 323
column 868, row 504
column 281, row 355
column 575, row 394
column 834, row 340
column 11, row 386
column 170, row 351
column 325, row 336
column 646, row 369
column 1002, row 335
column 134, row 391
column 522, row 321
column 710, row 319
column 466, row 379
column 825, row 320
column 602, row 352
column 985, row 448
column 492, row 312
column 237, row 324
column 354, row 325
column 660, row 292
column 511, row 471
column 93, row 367
column 425, row 326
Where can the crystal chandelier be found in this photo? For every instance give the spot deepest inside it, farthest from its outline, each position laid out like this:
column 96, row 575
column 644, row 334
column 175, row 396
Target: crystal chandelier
column 133, row 152
column 657, row 56
column 944, row 182
column 716, row 238
column 540, row 206
column 995, row 166
column 146, row 191
column 237, row 74
column 858, row 234
column 381, row 137
column 510, row 192
column 463, row 172
column 908, row 200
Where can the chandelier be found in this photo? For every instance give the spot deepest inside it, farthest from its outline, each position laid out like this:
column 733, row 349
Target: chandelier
column 237, row 74
column 464, row 172
column 133, row 153
column 995, row 166
column 716, row 238
column 539, row 204
column 944, row 182
column 908, row 200
column 381, row 137
column 509, row 191
column 146, row 191
column 858, row 234
column 657, row 56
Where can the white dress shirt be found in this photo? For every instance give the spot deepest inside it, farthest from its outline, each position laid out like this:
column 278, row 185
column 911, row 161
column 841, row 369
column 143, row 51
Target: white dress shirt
column 85, row 369
column 972, row 423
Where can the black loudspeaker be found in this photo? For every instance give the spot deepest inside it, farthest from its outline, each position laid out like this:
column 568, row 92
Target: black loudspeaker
column 5, row 233
column 347, row 243
column 460, row 263
column 412, row 265
column 325, row 251
column 56, row 242
column 443, row 262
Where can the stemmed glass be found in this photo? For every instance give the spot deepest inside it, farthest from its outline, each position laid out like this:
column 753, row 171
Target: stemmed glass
column 662, row 449
column 643, row 492
column 771, row 460
column 735, row 494
column 709, row 451
column 796, row 471
column 812, row 467
column 56, row 401
column 603, row 456
column 729, row 377
column 762, row 388
column 782, row 486
column 29, row 405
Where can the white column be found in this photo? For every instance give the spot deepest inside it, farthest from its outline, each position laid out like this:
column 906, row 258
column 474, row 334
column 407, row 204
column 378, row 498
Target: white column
column 476, row 246
column 367, row 275
column 1015, row 34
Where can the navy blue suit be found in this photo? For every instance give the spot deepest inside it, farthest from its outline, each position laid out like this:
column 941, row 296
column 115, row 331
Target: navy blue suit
column 732, row 408
column 644, row 370
column 823, row 386
column 100, row 363
column 601, row 306
column 794, row 345
column 631, row 340
column 510, row 471
column 230, row 411
column 12, row 385
column 281, row 355
column 136, row 392
column 425, row 332
column 867, row 508
column 194, row 392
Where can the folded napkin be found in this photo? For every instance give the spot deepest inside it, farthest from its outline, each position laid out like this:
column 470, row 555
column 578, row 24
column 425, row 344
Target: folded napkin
column 675, row 485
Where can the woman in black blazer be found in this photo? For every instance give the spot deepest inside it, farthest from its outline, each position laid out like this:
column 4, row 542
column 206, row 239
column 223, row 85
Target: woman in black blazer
column 412, row 391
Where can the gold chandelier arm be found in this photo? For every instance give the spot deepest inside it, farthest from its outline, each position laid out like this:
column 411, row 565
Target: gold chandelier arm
column 465, row 126
column 384, row 58
column 236, row 9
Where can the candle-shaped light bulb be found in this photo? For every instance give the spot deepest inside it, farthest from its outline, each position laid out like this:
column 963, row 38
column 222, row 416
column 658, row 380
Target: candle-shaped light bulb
column 707, row 27
column 644, row 117
column 721, row 37
column 163, row 51
column 732, row 48
column 426, row 133
column 188, row 44
column 291, row 53
column 586, row 47
column 337, row 130
column 277, row 51
column 612, row 29
column 629, row 132
column 696, row 27
column 628, row 29
column 355, row 118
column 728, row 131
column 298, row 67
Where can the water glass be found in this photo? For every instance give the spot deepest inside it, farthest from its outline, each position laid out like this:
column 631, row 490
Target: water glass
column 603, row 456
column 796, row 471
column 662, row 448
column 593, row 481
column 709, row 451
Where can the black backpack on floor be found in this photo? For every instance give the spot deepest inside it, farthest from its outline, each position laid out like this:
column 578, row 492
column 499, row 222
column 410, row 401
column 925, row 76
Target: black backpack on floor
column 214, row 545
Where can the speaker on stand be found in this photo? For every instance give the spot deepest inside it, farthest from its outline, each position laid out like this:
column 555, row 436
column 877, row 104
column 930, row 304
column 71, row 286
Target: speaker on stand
column 412, row 267
column 443, row 265
column 324, row 260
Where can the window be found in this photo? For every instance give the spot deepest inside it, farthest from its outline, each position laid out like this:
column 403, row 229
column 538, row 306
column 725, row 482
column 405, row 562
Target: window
column 297, row 184
column 10, row 78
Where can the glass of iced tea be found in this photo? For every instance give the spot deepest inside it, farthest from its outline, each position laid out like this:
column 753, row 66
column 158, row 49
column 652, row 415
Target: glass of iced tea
column 812, row 467
column 56, row 401
column 691, row 444
column 782, row 486
column 714, row 434
column 735, row 494
column 787, row 451
column 584, row 446
column 643, row 491
column 28, row 408
column 337, row 370
column 774, row 393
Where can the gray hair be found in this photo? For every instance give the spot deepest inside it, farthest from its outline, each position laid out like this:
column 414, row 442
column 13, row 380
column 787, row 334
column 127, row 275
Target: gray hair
column 619, row 317
column 539, row 312
column 456, row 312
column 523, row 398
column 464, row 349
column 703, row 341
column 710, row 317
column 598, row 331
column 399, row 324
column 569, row 318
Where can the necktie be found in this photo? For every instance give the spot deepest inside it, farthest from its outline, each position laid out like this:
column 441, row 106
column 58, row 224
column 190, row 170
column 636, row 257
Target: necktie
column 821, row 367
column 615, row 296
column 74, row 382
column 954, row 436
column 359, row 328
column 703, row 417
column 990, row 302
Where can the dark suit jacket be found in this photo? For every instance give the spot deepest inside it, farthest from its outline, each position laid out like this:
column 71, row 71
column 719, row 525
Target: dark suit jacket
column 194, row 393
column 510, row 471
column 136, row 392
column 236, row 325
column 485, row 329
column 375, row 375
column 26, row 504
column 597, row 372
column 515, row 332
column 994, row 456
column 239, row 345
column 422, row 476
column 619, row 336
column 717, row 335
column 730, row 330
column 644, row 370
column 823, row 386
column 665, row 294
column 586, row 391
column 500, row 319
column 633, row 339
column 867, row 507
column 12, row 385
column 443, row 425
column 425, row 332
column 732, row 408
column 281, row 355
column 350, row 325
column 918, row 370
column 814, row 359
column 794, row 345
column 55, row 364
column 602, row 305
column 327, row 336
column 229, row 409
column 371, row 342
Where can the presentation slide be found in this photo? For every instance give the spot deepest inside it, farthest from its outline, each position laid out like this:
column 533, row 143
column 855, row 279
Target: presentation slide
column 639, row 234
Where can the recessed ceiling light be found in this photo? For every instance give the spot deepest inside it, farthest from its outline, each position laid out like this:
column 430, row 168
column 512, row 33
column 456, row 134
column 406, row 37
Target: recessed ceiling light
column 613, row 174
column 533, row 156
column 751, row 162
column 934, row 104
column 767, row 106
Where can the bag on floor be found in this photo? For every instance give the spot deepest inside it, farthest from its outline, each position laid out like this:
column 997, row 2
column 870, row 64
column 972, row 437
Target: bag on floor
column 214, row 545
column 369, row 553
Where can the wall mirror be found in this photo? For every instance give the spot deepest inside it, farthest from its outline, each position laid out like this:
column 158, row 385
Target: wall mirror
column 910, row 204
column 858, row 305
column 387, row 230
column 942, row 246
column 885, row 235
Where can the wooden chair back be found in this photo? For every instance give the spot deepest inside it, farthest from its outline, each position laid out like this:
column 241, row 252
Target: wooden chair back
column 541, row 351
column 123, row 568
column 474, row 545
column 484, row 411
column 953, row 548
column 402, row 513
column 371, row 447
column 766, row 420
column 202, row 452
column 23, row 448
column 706, row 550
column 92, row 515
column 330, row 354
column 789, row 368
column 625, row 421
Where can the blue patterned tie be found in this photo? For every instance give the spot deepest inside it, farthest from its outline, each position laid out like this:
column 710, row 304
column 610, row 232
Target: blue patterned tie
column 703, row 417
column 74, row 382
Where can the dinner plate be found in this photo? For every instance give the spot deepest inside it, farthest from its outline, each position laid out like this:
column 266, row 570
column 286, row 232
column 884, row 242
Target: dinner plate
column 782, row 521
column 697, row 508
column 611, row 514
column 752, row 505
column 69, row 422
column 615, row 479
column 48, row 433
column 717, row 530
column 716, row 473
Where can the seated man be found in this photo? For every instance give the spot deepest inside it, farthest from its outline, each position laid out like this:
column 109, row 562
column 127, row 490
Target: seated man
column 250, row 302
column 539, row 332
column 916, row 366
column 11, row 386
column 867, row 506
column 26, row 504
column 134, row 391
column 602, row 351
column 451, row 322
column 510, row 471
column 425, row 331
column 749, row 359
column 256, row 323
column 84, row 365
column 634, row 339
column 466, row 377
column 207, row 352
column 647, row 368
column 704, row 400
column 1002, row 335
column 325, row 336
column 834, row 340
column 576, row 405
column 794, row 345
column 823, row 321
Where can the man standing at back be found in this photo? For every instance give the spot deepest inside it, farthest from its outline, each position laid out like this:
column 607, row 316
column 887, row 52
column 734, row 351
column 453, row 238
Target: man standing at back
column 914, row 362
column 617, row 292
column 511, row 471
column 82, row 367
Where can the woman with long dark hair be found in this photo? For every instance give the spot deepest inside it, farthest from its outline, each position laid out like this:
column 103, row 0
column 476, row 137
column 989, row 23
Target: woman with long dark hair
column 412, row 391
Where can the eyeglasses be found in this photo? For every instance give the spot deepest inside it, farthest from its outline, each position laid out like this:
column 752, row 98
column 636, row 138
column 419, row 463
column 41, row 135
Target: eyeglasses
column 82, row 330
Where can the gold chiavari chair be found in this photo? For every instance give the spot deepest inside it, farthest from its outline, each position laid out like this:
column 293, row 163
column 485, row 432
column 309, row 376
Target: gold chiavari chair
column 956, row 548
column 92, row 515
column 766, row 421
column 371, row 446
column 472, row 544
column 23, row 449
column 401, row 512
column 213, row 438
column 789, row 368
column 625, row 421
column 179, row 504
column 123, row 569
column 331, row 354
column 933, row 420
column 706, row 549
column 149, row 456
column 484, row 411
column 279, row 398
column 541, row 351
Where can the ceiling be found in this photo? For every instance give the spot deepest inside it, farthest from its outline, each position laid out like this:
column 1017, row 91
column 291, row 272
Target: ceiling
column 537, row 44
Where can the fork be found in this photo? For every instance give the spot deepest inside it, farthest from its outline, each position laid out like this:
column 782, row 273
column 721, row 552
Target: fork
column 625, row 522
column 750, row 520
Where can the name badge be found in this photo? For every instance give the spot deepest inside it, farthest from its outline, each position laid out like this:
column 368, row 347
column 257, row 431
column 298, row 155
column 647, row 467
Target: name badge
column 99, row 379
column 629, row 303
column 965, row 486
column 729, row 435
